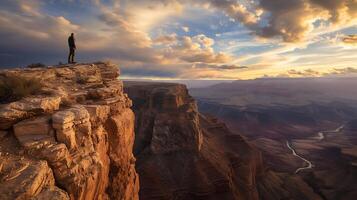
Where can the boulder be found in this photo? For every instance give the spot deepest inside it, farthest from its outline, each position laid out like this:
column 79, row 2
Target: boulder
column 35, row 126
column 13, row 112
column 23, row 178
column 32, row 130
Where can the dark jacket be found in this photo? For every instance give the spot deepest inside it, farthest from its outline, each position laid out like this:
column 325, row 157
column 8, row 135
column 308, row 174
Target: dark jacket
column 71, row 42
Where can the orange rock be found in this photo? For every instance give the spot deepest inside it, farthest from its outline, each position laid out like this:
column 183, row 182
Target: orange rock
column 81, row 125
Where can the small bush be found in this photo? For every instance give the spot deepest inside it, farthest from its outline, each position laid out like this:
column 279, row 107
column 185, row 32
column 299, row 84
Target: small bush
column 13, row 88
column 82, row 80
column 36, row 65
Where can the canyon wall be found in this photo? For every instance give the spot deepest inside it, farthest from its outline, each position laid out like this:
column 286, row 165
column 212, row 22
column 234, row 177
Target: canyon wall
column 182, row 154
column 72, row 140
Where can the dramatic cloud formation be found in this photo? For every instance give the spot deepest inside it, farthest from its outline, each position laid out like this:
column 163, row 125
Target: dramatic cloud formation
column 213, row 39
column 289, row 19
column 25, row 29
column 193, row 49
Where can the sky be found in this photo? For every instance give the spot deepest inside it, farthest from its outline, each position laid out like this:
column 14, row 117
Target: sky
column 186, row 39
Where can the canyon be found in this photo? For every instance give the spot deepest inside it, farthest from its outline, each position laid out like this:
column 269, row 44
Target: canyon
column 182, row 154
column 88, row 135
column 206, row 160
column 302, row 126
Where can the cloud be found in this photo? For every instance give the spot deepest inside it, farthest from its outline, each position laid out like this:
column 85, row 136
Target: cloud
column 290, row 20
column 186, row 29
column 37, row 34
column 293, row 73
column 147, row 37
column 25, row 8
column 231, row 67
column 110, row 35
column 338, row 10
column 293, row 20
column 303, row 73
column 191, row 49
column 350, row 39
column 346, row 70
column 332, row 72
column 24, row 30
column 166, row 39
column 218, row 67
column 204, row 40
column 124, row 30
column 205, row 74
column 238, row 11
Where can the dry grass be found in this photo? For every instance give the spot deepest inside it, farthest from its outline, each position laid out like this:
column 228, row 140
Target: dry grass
column 13, row 88
column 36, row 65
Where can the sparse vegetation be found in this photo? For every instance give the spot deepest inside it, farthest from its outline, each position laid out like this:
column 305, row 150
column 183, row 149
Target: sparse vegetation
column 82, row 79
column 13, row 88
column 36, row 65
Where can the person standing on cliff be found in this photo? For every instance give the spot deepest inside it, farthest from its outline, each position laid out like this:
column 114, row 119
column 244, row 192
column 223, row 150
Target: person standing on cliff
column 72, row 48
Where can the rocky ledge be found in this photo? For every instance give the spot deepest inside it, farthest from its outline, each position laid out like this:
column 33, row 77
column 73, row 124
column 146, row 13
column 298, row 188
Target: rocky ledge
column 73, row 140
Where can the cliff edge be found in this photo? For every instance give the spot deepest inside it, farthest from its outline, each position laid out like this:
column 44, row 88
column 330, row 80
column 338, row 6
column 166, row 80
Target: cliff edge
column 72, row 140
column 182, row 154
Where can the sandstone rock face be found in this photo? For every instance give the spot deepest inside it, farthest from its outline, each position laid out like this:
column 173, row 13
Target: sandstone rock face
column 167, row 118
column 182, row 154
column 22, row 178
column 74, row 141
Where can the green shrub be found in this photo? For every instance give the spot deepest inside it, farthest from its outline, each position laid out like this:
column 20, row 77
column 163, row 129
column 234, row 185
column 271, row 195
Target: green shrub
column 36, row 65
column 13, row 88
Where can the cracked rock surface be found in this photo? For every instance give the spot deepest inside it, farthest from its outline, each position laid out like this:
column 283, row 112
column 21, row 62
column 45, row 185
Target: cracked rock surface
column 73, row 140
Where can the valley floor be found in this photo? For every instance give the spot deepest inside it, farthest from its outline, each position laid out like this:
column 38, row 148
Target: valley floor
column 321, row 151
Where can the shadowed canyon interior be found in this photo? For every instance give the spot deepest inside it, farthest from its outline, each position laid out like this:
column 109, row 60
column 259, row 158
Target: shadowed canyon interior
column 88, row 135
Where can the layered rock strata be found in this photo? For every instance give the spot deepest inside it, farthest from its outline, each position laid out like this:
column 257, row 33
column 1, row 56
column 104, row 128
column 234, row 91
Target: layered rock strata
column 73, row 140
column 166, row 118
column 182, row 154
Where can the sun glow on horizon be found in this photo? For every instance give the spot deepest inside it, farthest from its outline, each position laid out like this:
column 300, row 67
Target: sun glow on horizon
column 184, row 39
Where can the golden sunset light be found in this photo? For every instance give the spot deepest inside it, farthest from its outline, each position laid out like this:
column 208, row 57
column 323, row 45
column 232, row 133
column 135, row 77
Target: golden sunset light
column 183, row 39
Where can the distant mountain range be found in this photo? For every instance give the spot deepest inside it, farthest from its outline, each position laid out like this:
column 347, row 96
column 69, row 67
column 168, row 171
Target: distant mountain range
column 284, row 91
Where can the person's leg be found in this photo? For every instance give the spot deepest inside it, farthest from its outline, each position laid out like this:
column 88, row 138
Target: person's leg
column 73, row 53
column 69, row 56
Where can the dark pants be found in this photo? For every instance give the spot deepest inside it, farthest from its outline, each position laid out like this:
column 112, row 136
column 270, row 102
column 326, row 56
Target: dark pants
column 71, row 55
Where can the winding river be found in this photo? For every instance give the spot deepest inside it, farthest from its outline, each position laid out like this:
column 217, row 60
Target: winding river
column 320, row 136
column 309, row 166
